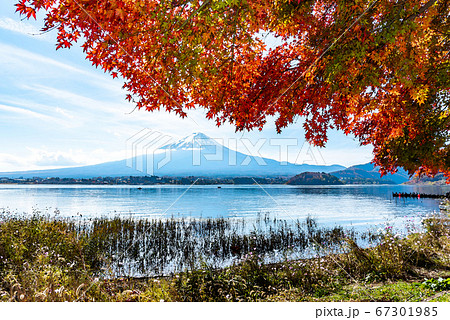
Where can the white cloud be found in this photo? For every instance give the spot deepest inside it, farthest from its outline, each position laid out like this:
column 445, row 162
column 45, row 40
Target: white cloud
column 36, row 159
column 55, row 160
column 10, row 162
column 27, row 113
column 31, row 109
column 20, row 56
column 23, row 28
column 84, row 102
column 43, row 158
column 33, row 63
column 71, row 157
column 348, row 157
column 64, row 113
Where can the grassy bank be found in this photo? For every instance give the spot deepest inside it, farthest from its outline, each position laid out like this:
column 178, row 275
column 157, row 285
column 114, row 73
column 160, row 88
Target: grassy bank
column 50, row 259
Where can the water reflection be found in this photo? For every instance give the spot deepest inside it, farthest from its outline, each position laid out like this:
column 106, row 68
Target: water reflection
column 330, row 205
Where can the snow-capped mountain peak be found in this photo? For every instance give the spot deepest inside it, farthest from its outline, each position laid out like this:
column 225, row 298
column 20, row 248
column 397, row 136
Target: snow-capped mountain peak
column 195, row 155
column 196, row 140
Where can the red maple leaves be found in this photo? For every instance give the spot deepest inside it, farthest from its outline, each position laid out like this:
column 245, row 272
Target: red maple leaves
column 378, row 70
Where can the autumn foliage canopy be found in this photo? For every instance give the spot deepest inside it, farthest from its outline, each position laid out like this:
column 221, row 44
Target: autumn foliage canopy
column 376, row 69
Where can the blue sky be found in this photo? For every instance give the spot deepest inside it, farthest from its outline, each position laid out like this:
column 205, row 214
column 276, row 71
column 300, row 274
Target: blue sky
column 58, row 110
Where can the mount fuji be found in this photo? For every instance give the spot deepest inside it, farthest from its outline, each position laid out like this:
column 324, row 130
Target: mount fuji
column 194, row 155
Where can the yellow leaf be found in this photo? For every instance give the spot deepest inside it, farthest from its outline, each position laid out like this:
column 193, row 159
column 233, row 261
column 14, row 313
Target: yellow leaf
column 420, row 94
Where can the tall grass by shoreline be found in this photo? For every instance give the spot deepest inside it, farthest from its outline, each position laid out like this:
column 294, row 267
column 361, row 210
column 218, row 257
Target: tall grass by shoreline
column 124, row 246
column 45, row 258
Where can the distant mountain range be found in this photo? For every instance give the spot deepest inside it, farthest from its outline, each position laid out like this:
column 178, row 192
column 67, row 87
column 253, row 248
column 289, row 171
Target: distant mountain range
column 199, row 155
column 195, row 155
column 314, row 178
column 438, row 179
column 368, row 173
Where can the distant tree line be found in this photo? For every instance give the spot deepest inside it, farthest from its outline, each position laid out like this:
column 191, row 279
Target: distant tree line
column 145, row 180
column 314, row 178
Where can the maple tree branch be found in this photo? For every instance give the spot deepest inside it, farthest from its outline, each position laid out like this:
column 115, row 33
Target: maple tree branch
column 128, row 54
column 204, row 4
column 424, row 8
column 386, row 28
column 325, row 51
column 234, row 42
column 370, row 77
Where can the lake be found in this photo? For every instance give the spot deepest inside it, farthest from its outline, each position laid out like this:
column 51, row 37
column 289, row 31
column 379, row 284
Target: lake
column 358, row 206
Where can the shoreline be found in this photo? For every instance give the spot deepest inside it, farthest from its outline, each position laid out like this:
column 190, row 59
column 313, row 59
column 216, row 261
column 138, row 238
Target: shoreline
column 395, row 269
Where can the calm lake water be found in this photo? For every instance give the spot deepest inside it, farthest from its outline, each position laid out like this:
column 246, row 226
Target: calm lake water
column 357, row 206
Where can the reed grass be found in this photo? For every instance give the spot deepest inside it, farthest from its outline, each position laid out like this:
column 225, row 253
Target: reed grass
column 123, row 246
column 48, row 258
